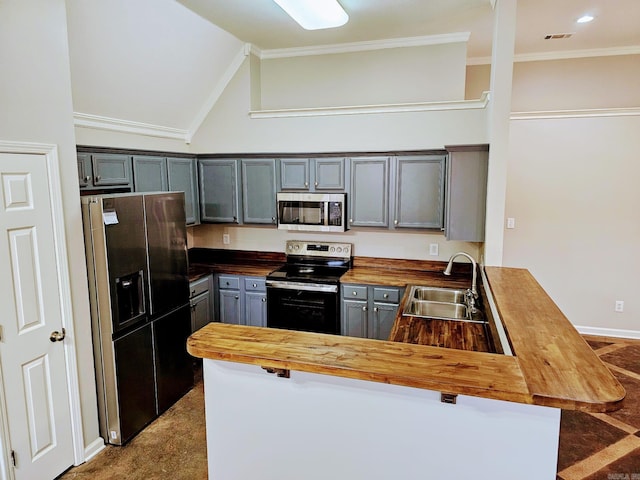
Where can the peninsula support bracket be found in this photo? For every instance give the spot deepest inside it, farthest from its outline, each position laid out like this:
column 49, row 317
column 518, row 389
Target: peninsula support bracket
column 280, row 372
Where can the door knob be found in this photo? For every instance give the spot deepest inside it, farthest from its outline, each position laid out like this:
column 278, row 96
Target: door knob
column 57, row 336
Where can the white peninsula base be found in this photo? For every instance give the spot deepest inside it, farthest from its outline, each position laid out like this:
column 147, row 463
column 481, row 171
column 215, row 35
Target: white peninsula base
column 319, row 427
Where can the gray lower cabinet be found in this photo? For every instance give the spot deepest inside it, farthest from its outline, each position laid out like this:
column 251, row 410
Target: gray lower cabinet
column 369, row 311
column 162, row 174
column 369, row 192
column 312, row 174
column 219, row 190
column 466, row 193
column 201, row 302
column 258, row 191
column 242, row 300
column 104, row 170
column 419, row 191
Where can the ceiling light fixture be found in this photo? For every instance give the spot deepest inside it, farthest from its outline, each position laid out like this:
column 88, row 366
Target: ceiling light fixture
column 585, row 19
column 315, row 14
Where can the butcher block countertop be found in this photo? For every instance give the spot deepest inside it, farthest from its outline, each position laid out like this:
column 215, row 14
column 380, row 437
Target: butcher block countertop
column 552, row 365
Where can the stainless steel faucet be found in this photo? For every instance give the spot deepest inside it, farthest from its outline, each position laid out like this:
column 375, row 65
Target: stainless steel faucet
column 447, row 271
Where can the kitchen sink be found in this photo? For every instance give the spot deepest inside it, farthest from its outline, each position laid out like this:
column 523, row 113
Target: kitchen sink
column 433, row 294
column 441, row 303
column 431, row 309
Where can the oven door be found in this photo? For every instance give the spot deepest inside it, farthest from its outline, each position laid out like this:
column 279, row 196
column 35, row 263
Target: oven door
column 303, row 306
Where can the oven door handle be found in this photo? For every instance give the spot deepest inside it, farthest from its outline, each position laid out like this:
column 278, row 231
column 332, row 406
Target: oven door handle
column 310, row 287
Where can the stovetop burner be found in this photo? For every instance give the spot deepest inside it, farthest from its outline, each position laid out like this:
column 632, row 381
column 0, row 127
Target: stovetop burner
column 314, row 262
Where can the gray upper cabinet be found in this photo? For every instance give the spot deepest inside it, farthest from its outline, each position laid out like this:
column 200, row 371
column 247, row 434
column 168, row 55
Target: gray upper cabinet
column 466, row 193
column 259, row 191
column 369, row 192
column 104, row 170
column 182, row 177
column 219, row 190
column 294, row 174
column 149, row 174
column 312, row 174
column 85, row 173
column 419, row 192
column 111, row 169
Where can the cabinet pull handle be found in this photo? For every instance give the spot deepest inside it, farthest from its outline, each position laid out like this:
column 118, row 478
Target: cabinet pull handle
column 98, row 178
column 375, row 309
column 351, row 220
column 395, row 222
column 364, row 309
column 193, row 292
column 306, row 184
column 264, row 299
column 255, row 285
column 237, row 297
column 355, row 294
column 386, row 295
column 315, row 184
column 87, row 179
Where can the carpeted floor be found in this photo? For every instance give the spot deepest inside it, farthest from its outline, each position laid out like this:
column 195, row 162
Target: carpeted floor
column 592, row 446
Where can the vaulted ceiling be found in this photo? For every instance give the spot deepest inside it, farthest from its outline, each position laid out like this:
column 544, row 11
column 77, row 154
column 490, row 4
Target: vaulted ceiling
column 158, row 61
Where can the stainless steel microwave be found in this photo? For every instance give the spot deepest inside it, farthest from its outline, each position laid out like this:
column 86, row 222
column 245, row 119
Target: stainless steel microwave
column 312, row 212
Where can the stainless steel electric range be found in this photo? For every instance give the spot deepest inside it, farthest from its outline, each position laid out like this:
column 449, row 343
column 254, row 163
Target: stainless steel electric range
column 304, row 294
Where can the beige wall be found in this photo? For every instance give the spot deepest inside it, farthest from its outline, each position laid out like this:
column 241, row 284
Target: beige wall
column 398, row 75
column 35, row 99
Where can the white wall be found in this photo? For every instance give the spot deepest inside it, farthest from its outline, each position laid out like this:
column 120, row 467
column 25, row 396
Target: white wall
column 571, row 185
column 399, row 75
column 35, row 95
column 574, row 194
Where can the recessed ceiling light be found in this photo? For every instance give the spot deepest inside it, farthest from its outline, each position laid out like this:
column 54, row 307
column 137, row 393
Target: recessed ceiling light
column 585, row 19
column 315, row 14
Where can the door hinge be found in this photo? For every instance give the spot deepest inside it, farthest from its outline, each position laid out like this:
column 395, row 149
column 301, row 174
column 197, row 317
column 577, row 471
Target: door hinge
column 13, row 458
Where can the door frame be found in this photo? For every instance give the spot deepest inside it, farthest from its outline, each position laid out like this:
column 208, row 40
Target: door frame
column 50, row 153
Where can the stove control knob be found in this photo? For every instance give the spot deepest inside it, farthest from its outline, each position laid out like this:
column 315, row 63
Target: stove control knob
column 346, row 250
column 332, row 249
column 296, row 246
column 339, row 249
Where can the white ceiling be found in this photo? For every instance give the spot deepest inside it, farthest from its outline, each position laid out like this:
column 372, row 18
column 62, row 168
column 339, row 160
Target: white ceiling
column 264, row 24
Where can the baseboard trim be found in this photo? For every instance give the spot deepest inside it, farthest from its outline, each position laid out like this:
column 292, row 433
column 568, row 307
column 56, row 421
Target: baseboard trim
column 93, row 449
column 609, row 332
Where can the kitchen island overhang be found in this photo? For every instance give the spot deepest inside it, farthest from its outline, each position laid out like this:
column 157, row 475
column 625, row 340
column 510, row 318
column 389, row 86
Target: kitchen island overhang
column 528, row 388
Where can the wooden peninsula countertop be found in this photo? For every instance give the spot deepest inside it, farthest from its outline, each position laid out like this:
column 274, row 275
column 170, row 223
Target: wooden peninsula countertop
column 552, row 365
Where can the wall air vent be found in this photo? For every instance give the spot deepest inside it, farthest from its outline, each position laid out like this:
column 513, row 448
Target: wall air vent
column 555, row 36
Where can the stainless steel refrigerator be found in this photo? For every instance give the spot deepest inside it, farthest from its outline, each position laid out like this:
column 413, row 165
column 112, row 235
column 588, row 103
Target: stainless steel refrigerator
column 137, row 267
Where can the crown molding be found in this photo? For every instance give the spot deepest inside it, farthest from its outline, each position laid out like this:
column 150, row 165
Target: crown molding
column 374, row 109
column 586, row 113
column 562, row 55
column 364, row 46
column 85, row 120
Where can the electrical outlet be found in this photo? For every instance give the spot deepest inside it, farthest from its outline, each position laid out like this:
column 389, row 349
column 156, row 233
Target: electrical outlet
column 433, row 249
column 511, row 222
column 619, row 306
column 225, row 239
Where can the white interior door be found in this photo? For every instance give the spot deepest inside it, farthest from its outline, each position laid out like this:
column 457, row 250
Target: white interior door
column 33, row 368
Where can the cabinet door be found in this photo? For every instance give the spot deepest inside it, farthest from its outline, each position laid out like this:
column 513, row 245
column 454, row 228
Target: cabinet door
column 419, row 192
column 382, row 318
column 85, row 176
column 255, row 309
column 111, row 169
column 369, row 205
column 219, row 191
column 229, row 302
column 466, row 194
column 354, row 318
column 181, row 177
column 294, row 173
column 149, row 174
column 200, row 311
column 259, row 191
column 329, row 174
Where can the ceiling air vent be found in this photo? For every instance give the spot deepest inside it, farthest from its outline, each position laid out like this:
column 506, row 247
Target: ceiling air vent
column 555, row 36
